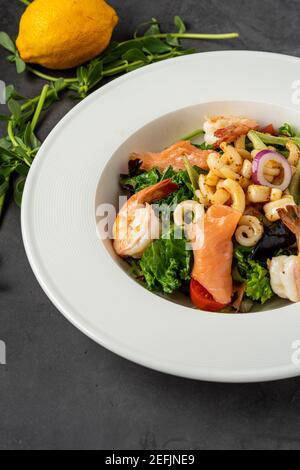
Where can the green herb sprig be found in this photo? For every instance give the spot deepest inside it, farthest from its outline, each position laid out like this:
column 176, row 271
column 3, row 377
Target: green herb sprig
column 153, row 46
column 14, row 57
column 20, row 146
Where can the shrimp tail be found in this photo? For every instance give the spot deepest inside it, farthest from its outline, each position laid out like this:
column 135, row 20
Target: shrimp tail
column 290, row 216
column 232, row 132
column 173, row 157
column 158, row 191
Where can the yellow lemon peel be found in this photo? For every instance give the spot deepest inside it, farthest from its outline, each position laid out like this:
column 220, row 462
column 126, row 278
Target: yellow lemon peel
column 62, row 34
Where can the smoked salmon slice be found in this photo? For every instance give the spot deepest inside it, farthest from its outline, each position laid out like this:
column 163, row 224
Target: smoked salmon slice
column 213, row 260
column 173, row 156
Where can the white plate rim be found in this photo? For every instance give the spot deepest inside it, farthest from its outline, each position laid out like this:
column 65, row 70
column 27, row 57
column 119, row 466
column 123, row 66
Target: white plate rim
column 106, row 341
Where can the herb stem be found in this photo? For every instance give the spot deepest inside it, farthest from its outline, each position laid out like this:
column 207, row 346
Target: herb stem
column 211, row 37
column 35, row 100
column 39, row 107
column 40, row 74
column 21, row 143
column 50, row 78
column 137, row 63
column 26, row 2
column 106, row 73
column 193, row 135
column 11, row 134
column 123, row 68
column 2, row 201
column 29, row 103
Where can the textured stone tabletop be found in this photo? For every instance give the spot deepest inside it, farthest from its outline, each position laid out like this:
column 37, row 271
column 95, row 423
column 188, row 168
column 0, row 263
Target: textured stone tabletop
column 59, row 390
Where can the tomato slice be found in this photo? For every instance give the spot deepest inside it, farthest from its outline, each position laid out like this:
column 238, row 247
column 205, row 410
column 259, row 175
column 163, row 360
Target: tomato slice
column 202, row 299
column 269, row 130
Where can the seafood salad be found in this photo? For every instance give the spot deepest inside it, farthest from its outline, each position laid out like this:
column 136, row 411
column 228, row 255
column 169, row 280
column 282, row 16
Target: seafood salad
column 218, row 220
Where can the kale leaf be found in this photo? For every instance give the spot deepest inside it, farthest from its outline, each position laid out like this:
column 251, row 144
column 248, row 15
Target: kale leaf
column 256, row 276
column 141, row 181
column 167, row 263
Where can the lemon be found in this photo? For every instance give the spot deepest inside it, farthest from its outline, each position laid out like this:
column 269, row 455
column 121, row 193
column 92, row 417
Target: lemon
column 63, row 34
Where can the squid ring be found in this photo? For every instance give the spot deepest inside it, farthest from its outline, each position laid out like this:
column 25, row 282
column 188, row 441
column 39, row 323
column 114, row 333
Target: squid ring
column 250, row 231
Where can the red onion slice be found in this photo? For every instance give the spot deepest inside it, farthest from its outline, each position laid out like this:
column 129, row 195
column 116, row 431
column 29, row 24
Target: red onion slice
column 258, row 167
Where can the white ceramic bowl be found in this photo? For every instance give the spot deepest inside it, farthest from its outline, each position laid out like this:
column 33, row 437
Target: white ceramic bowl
column 148, row 110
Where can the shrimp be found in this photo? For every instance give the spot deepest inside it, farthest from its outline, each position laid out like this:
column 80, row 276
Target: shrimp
column 219, row 129
column 174, row 157
column 285, row 270
column 137, row 225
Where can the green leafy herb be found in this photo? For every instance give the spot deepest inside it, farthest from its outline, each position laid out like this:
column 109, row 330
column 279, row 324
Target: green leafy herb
column 15, row 108
column 204, row 146
column 256, row 276
column 295, row 185
column 287, row 130
column 7, row 42
column 192, row 173
column 182, row 194
column 180, row 25
column 185, row 191
column 258, row 283
column 286, row 252
column 9, row 45
column 20, row 146
column 153, row 28
column 137, row 183
column 19, row 188
column 145, row 179
column 135, row 268
column 20, row 64
column 3, row 185
column 11, row 93
column 152, row 46
column 166, row 264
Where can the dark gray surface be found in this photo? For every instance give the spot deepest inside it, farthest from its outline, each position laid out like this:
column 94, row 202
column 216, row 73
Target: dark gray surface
column 59, row 390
